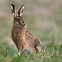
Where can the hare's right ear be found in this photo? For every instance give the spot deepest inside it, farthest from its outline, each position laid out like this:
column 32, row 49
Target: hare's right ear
column 20, row 11
column 13, row 9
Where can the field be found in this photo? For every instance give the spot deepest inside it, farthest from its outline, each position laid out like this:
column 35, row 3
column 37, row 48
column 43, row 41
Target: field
column 44, row 19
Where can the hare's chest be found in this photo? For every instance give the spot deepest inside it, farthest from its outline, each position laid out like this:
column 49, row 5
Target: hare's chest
column 18, row 34
column 15, row 35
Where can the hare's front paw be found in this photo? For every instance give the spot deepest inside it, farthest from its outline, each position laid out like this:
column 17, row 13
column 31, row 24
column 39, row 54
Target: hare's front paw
column 19, row 52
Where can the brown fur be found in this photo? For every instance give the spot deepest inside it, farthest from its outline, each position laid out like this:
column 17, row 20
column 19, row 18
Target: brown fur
column 22, row 37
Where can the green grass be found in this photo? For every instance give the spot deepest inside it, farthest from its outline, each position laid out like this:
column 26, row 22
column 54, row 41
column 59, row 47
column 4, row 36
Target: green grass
column 52, row 54
column 49, row 53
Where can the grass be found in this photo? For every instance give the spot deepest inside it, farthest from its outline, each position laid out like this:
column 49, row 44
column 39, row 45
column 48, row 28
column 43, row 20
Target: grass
column 49, row 53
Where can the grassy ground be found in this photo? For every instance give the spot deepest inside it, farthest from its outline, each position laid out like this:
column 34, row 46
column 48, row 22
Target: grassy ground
column 49, row 53
column 44, row 19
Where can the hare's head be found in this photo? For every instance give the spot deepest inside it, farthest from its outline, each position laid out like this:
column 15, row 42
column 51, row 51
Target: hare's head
column 18, row 19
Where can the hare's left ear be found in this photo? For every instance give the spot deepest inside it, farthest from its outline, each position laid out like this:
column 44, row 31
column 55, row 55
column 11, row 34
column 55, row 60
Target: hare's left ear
column 13, row 9
column 20, row 11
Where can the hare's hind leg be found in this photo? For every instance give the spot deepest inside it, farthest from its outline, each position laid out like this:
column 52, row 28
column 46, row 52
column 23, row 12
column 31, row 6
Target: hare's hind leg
column 37, row 45
column 38, row 48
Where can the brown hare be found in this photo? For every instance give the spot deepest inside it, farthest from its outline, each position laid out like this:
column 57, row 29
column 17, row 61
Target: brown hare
column 24, row 40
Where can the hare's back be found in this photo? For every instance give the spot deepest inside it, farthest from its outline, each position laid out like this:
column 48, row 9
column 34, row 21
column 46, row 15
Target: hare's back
column 29, row 37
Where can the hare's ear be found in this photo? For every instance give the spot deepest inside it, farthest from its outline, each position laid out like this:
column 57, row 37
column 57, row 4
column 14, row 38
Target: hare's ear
column 13, row 9
column 20, row 11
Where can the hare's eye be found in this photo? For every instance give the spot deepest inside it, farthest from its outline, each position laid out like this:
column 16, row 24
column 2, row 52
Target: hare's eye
column 17, row 19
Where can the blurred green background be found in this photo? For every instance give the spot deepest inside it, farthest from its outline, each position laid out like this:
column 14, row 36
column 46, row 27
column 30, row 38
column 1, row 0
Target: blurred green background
column 44, row 19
